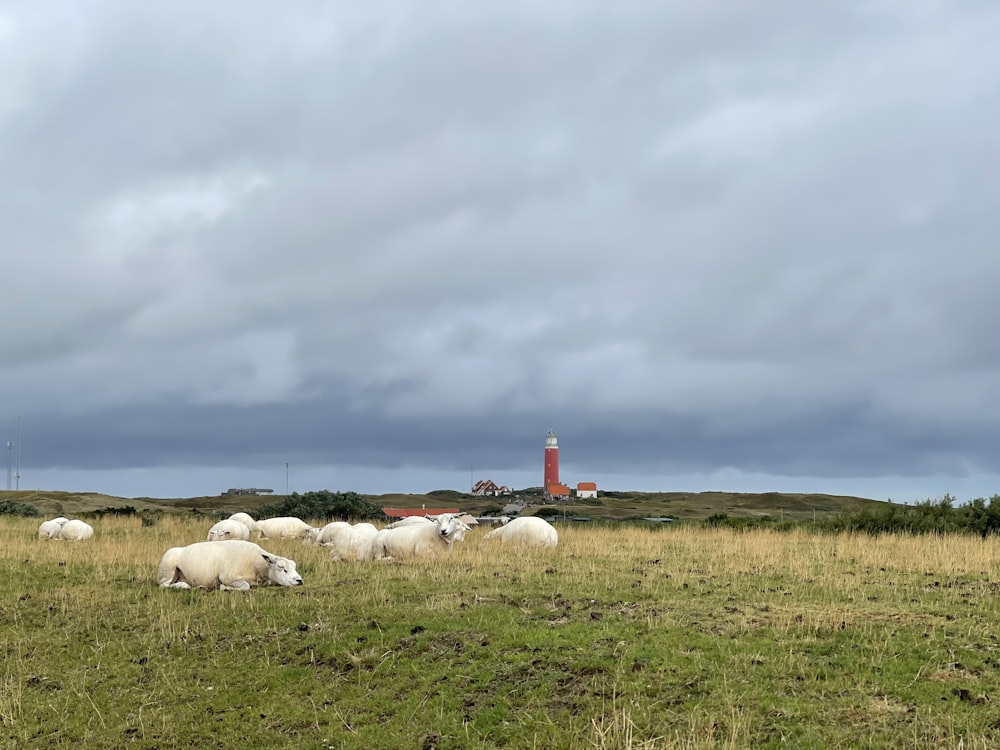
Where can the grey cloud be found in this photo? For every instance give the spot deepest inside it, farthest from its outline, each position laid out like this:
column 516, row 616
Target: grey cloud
column 701, row 236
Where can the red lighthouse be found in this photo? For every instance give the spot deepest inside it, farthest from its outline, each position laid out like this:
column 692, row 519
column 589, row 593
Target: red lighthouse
column 551, row 459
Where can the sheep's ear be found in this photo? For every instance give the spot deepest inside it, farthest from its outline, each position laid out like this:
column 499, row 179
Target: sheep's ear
column 269, row 558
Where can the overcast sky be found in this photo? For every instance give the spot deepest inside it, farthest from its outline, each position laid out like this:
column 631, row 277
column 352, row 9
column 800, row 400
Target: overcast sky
column 717, row 245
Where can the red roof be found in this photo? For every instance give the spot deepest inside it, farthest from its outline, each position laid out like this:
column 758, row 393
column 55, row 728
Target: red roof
column 586, row 486
column 407, row 512
column 557, row 489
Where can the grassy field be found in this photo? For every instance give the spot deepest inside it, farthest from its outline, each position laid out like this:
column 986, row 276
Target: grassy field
column 674, row 637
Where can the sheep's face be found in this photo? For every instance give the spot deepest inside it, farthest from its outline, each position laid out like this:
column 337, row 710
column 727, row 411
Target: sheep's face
column 281, row 571
column 451, row 528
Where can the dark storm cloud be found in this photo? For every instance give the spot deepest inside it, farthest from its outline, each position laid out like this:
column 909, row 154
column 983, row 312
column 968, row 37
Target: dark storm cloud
column 692, row 237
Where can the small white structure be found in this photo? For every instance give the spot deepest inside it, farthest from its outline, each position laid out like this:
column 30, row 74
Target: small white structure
column 526, row 531
column 231, row 565
column 76, row 531
column 586, row 489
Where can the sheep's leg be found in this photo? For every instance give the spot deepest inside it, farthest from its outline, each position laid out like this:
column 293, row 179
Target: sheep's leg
column 240, row 585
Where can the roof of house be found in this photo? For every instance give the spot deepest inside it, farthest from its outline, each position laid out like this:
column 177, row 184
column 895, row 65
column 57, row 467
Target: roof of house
column 586, row 486
column 557, row 489
column 407, row 512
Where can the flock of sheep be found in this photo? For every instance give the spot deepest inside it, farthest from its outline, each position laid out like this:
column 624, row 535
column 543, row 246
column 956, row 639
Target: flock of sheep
column 228, row 560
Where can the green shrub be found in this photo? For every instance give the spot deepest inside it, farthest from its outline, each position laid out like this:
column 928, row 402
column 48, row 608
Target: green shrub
column 324, row 504
column 14, row 508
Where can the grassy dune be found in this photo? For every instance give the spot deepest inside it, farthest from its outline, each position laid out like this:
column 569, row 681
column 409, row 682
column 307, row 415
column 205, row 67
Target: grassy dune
column 611, row 505
column 629, row 638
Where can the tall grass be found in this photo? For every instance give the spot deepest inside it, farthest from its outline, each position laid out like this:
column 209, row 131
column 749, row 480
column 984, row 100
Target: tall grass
column 617, row 638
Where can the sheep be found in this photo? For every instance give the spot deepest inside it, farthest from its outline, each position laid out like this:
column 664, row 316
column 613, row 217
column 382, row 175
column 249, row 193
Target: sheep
column 233, row 565
column 409, row 521
column 228, row 529
column 168, row 564
column 246, row 519
column 286, row 527
column 51, row 529
column 76, row 531
column 332, row 531
column 358, row 543
column 526, row 531
column 419, row 539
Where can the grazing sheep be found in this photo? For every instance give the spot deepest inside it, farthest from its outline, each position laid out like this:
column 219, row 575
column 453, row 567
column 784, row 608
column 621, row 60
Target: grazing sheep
column 246, row 519
column 420, row 539
column 286, row 527
column 332, row 531
column 527, row 531
column 76, row 531
column 51, row 529
column 228, row 529
column 168, row 564
column 232, row 565
column 357, row 544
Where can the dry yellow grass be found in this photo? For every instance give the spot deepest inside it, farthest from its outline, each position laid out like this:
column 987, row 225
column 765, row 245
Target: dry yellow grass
column 668, row 637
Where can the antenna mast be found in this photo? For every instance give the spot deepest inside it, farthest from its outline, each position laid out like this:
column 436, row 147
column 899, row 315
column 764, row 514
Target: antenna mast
column 17, row 474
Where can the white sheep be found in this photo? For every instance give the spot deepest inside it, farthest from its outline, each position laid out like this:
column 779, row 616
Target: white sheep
column 358, row 543
column 246, row 519
column 51, row 529
column 231, row 565
column 168, row 564
column 228, row 529
column 409, row 521
column 526, row 531
column 332, row 531
column 76, row 531
column 286, row 527
column 420, row 539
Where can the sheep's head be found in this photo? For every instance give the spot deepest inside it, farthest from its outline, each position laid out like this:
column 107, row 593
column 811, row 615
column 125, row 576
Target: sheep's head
column 451, row 528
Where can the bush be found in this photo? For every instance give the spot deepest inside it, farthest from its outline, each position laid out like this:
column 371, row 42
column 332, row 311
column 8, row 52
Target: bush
column 547, row 511
column 940, row 516
column 332, row 506
column 14, row 508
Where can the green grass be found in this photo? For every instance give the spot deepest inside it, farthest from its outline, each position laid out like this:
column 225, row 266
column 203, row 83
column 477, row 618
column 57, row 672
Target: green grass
column 618, row 638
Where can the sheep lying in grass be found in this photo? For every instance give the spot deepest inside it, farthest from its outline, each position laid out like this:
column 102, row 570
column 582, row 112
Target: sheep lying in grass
column 76, row 531
column 246, row 519
column 286, row 527
column 409, row 521
column 357, row 542
column 527, row 531
column 168, row 565
column 229, row 565
column 420, row 539
column 51, row 529
column 228, row 529
column 332, row 531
